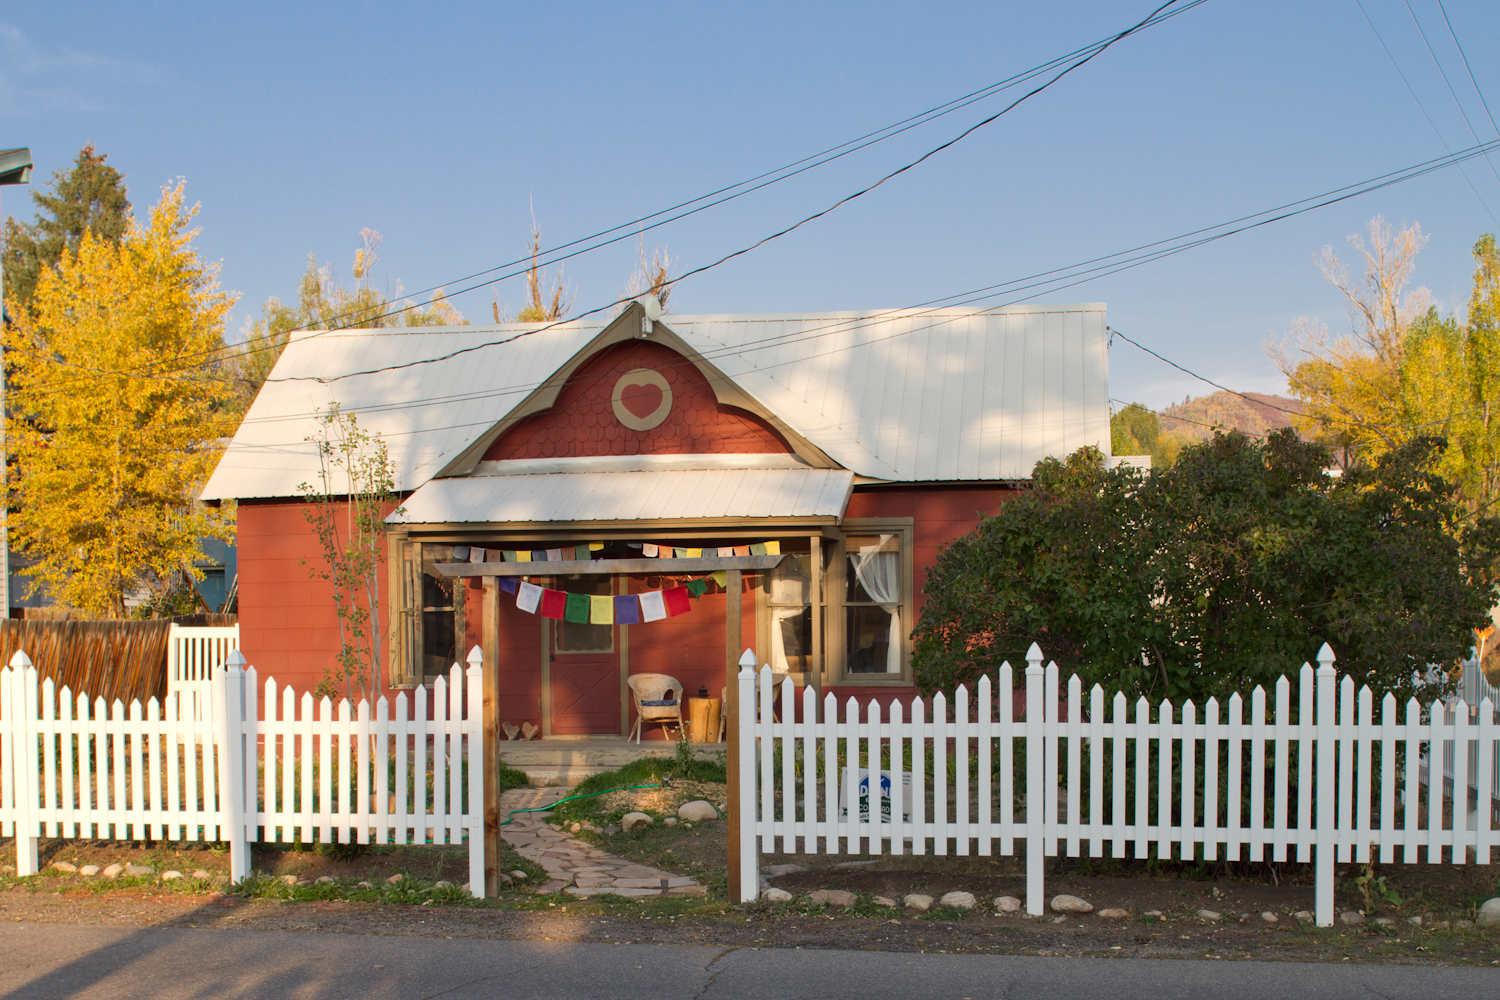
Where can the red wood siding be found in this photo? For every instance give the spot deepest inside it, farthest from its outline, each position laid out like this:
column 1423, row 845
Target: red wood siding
column 582, row 422
column 288, row 627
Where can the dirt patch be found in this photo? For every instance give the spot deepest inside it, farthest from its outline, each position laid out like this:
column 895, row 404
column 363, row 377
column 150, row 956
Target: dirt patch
column 662, row 801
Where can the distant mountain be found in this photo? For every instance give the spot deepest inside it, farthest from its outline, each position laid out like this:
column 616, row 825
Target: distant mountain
column 1196, row 419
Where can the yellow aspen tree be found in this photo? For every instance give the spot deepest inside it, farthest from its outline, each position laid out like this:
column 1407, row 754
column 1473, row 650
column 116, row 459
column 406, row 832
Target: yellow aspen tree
column 117, row 416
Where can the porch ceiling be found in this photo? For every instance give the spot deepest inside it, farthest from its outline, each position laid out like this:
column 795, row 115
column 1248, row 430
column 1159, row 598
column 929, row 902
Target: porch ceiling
column 699, row 494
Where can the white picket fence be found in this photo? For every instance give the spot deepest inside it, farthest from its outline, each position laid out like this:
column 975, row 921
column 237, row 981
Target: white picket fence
column 1369, row 807
column 388, row 774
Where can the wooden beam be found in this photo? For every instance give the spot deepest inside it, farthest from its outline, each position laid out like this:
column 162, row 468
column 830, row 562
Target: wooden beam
column 490, row 645
column 570, row 567
column 815, row 586
column 731, row 711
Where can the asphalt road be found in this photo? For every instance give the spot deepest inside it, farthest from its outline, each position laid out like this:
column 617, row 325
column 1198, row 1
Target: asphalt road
column 46, row 961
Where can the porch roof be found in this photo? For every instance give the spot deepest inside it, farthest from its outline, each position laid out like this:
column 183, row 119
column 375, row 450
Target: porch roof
column 687, row 495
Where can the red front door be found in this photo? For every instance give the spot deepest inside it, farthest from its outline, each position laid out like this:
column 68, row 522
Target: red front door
column 585, row 669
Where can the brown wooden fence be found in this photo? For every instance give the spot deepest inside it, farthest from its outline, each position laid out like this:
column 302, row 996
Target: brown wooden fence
column 104, row 659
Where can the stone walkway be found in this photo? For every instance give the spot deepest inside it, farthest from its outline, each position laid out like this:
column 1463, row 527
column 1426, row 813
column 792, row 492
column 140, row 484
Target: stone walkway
column 578, row 867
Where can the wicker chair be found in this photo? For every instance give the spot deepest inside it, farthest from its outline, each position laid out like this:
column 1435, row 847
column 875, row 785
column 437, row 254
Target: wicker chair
column 658, row 698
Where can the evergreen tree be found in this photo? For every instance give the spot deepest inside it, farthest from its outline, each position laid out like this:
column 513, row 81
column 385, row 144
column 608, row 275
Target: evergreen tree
column 89, row 198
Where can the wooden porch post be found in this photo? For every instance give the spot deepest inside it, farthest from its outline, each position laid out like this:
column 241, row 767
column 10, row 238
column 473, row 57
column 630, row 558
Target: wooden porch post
column 490, row 646
column 731, row 728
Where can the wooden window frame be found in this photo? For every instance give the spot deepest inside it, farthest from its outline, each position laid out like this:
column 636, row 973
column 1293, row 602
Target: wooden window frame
column 834, row 584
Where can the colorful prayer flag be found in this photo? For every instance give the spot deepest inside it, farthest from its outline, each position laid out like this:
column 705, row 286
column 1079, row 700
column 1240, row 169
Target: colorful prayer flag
column 653, row 608
column 773, row 548
column 554, row 555
column 758, row 549
column 577, row 609
column 627, row 609
column 538, row 555
column 680, row 553
column 725, row 551
column 508, row 555
column 524, row 555
column 648, row 549
column 697, row 587
column 676, row 600
column 460, row 553
column 554, row 603
column 722, row 578
column 596, row 546
column 528, row 597
column 695, row 553
column 742, row 550
column 508, row 584
column 476, row 554
column 602, row 609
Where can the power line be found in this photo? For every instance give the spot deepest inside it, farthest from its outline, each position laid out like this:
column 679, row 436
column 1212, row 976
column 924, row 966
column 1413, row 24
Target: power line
column 1451, row 92
column 767, row 178
column 1464, row 56
column 1423, row 108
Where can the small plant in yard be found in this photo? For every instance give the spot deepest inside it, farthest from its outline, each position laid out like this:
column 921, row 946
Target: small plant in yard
column 1373, row 887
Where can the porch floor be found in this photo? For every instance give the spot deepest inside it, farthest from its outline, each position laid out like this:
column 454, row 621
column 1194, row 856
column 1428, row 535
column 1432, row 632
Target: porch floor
column 568, row 760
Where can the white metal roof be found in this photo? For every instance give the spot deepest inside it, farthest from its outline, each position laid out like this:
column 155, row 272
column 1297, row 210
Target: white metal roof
column 630, row 496
column 903, row 395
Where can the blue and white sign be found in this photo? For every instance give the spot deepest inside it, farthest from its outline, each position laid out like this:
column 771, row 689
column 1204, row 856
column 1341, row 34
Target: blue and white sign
column 864, row 795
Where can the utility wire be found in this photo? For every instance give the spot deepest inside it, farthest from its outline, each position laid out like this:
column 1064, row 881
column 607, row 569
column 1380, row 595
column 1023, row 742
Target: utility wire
column 1464, row 56
column 1423, row 108
column 1449, row 83
column 765, row 179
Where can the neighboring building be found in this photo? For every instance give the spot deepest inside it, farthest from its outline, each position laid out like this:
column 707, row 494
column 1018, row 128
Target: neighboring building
column 856, row 444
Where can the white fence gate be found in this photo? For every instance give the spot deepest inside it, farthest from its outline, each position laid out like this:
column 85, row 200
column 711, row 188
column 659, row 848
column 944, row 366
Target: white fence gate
column 193, row 652
column 1345, row 800
column 74, row 768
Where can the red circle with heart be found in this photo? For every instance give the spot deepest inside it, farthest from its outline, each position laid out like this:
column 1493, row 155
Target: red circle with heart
column 641, row 399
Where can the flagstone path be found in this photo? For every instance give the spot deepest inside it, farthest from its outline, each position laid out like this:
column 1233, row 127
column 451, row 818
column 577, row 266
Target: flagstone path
column 580, row 868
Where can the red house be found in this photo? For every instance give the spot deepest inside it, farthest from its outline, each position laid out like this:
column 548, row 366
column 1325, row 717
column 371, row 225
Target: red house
column 600, row 479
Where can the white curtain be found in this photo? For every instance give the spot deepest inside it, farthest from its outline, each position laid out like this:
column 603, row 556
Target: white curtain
column 789, row 585
column 880, row 574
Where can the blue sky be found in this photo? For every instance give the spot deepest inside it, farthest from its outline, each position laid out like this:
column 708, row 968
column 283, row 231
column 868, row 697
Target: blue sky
column 442, row 126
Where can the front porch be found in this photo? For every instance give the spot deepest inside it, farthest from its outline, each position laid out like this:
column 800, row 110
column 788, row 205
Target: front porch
column 568, row 760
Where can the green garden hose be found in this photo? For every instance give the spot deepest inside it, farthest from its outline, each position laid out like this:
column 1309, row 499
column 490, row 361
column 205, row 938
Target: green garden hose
column 570, row 798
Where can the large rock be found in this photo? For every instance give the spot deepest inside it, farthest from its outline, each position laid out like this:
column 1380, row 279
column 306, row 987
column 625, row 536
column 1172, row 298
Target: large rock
column 1269, row 917
column 1351, row 917
column 64, row 866
column 1303, row 916
column 634, row 821
column 832, row 897
column 201, row 873
column 111, row 871
column 1489, row 913
column 1007, row 904
column 917, row 901
column 139, row 870
column 884, row 901
column 1210, row 915
column 172, row 876
column 1114, row 913
column 1071, row 904
column 962, row 900
column 774, row 895
column 89, row 870
column 699, row 811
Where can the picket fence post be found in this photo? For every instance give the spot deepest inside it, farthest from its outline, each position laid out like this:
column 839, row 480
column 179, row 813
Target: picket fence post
column 1326, row 782
column 229, row 735
column 748, row 790
column 474, row 726
column 25, row 763
column 1036, row 794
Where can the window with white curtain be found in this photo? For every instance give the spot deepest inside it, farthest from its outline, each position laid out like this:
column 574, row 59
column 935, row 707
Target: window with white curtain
column 874, row 629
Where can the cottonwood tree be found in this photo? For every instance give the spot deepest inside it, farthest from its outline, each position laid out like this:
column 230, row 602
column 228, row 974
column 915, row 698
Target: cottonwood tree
column 542, row 306
column 1352, row 383
column 324, row 302
column 346, row 508
column 112, row 425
